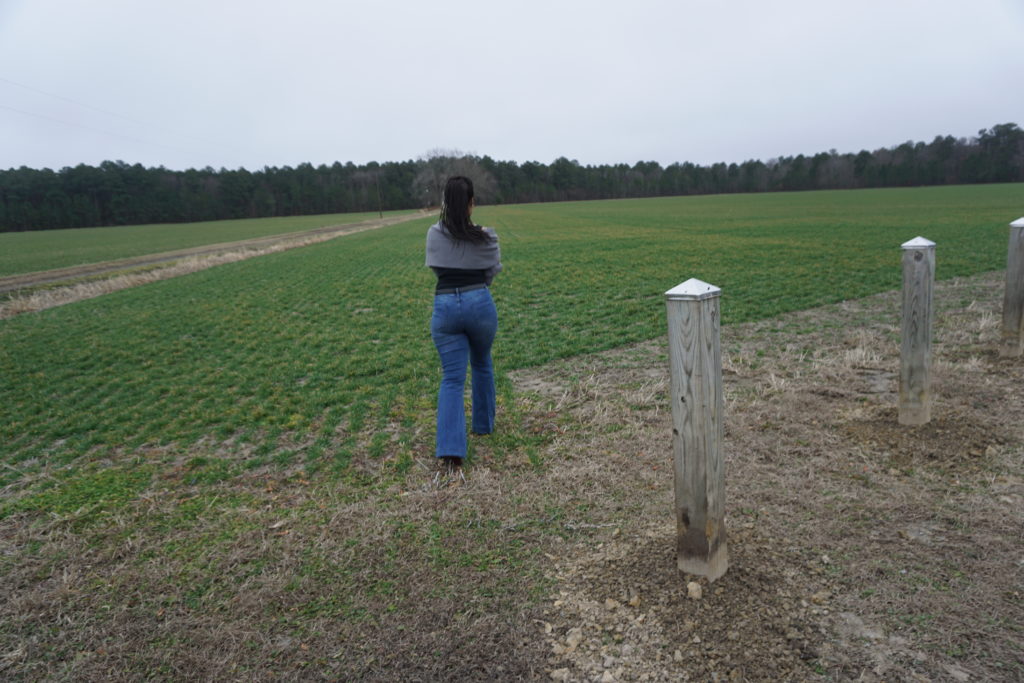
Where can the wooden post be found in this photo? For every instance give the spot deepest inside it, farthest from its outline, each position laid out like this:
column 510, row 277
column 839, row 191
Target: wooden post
column 695, row 359
column 1013, row 298
column 916, row 333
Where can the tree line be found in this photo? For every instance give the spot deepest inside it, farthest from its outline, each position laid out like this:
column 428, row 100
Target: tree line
column 116, row 193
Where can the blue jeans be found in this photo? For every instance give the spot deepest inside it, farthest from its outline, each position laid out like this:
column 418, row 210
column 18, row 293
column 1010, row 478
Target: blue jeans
column 463, row 328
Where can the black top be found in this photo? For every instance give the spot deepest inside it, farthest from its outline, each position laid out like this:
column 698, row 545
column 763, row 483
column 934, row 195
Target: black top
column 450, row 278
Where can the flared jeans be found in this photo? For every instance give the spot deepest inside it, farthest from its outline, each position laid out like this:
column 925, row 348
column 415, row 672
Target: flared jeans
column 463, row 328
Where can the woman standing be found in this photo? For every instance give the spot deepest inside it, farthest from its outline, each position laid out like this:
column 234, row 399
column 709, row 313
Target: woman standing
column 465, row 257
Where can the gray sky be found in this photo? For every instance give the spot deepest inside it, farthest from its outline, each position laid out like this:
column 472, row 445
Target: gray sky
column 229, row 83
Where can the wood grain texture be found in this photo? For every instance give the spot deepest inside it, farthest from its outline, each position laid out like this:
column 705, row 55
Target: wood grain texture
column 915, row 399
column 1013, row 297
column 697, row 406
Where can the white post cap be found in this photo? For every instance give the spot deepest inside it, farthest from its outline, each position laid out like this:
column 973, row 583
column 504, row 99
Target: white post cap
column 918, row 243
column 692, row 290
column 1019, row 223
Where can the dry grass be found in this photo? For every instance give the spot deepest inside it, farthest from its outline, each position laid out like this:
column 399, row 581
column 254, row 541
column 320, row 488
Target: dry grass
column 59, row 296
column 298, row 581
column 860, row 550
column 30, row 299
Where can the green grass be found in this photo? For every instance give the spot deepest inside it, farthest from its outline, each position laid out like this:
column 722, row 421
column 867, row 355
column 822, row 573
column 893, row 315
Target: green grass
column 108, row 487
column 322, row 355
column 231, row 457
column 26, row 252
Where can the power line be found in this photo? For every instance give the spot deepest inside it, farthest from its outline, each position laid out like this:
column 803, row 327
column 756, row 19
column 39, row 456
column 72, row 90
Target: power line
column 83, row 126
column 102, row 111
column 68, row 99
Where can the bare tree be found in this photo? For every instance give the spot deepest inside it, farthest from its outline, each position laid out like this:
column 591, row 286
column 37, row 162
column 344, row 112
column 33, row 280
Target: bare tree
column 437, row 165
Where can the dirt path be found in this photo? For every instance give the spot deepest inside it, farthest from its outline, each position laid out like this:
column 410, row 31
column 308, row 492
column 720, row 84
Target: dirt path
column 90, row 270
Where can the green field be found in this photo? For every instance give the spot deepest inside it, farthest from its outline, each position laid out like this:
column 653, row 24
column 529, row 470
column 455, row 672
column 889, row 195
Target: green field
column 26, row 252
column 157, row 430
column 289, row 347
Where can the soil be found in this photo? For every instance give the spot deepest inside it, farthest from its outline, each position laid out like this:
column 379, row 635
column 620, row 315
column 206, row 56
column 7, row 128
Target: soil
column 860, row 549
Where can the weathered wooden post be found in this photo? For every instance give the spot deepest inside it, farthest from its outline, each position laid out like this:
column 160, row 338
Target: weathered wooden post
column 916, row 332
column 695, row 359
column 1013, row 298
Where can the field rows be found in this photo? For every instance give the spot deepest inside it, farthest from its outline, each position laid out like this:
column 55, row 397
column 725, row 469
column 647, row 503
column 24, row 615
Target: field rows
column 323, row 353
column 27, row 252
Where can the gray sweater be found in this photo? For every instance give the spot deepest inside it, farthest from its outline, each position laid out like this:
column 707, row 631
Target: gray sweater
column 445, row 252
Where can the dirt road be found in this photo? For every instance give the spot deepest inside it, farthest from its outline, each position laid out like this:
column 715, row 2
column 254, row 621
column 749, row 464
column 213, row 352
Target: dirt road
column 89, row 270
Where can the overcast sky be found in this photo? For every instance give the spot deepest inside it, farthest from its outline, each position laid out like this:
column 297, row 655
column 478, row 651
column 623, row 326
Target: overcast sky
column 253, row 83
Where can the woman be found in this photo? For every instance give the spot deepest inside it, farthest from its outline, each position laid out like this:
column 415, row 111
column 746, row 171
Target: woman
column 465, row 257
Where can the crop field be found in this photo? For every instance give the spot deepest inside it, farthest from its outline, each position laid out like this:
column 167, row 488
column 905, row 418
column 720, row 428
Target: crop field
column 157, row 430
column 329, row 342
column 26, row 252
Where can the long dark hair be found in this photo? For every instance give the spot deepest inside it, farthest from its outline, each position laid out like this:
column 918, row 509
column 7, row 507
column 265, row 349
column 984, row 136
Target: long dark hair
column 458, row 193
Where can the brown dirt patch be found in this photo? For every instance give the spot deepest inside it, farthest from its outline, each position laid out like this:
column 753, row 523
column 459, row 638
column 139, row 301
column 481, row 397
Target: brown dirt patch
column 954, row 440
column 860, row 549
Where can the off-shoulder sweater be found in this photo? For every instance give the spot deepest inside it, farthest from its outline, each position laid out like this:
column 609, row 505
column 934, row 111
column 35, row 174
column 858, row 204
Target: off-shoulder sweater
column 444, row 252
